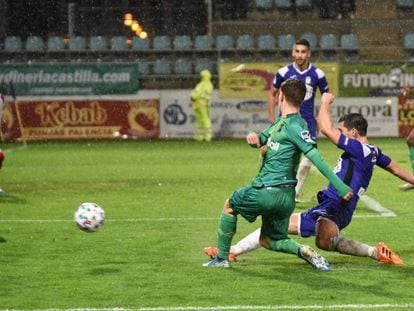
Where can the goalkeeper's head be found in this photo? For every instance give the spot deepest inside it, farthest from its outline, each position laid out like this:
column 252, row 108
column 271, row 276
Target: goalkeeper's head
column 294, row 91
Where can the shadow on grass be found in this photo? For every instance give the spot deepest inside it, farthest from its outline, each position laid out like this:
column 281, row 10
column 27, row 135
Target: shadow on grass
column 2, row 240
column 104, row 271
column 11, row 199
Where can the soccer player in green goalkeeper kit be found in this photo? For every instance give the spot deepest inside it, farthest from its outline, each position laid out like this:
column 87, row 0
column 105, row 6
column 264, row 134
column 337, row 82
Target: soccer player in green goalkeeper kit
column 271, row 194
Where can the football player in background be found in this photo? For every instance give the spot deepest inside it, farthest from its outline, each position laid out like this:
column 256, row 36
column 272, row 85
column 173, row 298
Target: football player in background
column 2, row 192
column 354, row 167
column 410, row 143
column 313, row 78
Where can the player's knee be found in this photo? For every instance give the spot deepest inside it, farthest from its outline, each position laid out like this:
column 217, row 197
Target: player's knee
column 227, row 209
column 326, row 231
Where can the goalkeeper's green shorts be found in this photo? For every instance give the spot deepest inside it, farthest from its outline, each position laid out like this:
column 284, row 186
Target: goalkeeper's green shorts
column 274, row 204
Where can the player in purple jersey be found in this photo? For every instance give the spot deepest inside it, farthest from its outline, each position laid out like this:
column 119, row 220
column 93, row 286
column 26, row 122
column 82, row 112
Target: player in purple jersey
column 354, row 167
column 313, row 78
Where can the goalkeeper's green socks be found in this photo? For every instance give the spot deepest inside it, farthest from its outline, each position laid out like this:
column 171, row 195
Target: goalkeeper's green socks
column 411, row 149
column 288, row 246
column 227, row 229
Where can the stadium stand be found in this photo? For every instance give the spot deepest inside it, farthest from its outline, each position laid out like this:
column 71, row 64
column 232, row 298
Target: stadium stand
column 203, row 43
column 55, row 44
column 266, row 42
column 182, row 43
column 98, row 43
column 77, row 43
column 34, row 44
column 183, row 66
column 161, row 43
column 224, row 42
column 139, row 44
column 13, row 44
column 161, row 67
column 119, row 43
column 312, row 39
column 245, row 42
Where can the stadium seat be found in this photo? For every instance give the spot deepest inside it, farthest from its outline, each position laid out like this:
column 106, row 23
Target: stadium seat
column 13, row 44
column 286, row 42
column 224, row 42
column 139, row 44
column 245, row 42
column 303, row 4
column 283, row 4
column 263, row 5
column 182, row 42
column 349, row 42
column 119, row 43
column 312, row 39
column 77, row 43
column 405, row 4
column 409, row 41
column 328, row 42
column 98, row 43
column 34, row 44
column 55, row 44
column 161, row 67
column 161, row 43
column 143, row 68
column 183, row 67
column 204, row 64
column 266, row 42
column 203, row 42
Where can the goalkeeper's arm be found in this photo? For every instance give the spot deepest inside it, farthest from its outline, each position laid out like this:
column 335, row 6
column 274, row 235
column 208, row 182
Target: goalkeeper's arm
column 343, row 190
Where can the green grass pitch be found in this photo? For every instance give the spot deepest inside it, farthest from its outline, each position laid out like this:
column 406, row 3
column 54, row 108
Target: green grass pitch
column 162, row 200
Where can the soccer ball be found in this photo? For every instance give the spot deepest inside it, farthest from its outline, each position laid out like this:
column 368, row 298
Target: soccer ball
column 89, row 217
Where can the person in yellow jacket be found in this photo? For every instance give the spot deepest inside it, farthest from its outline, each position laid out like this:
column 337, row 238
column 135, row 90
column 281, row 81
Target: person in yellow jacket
column 201, row 99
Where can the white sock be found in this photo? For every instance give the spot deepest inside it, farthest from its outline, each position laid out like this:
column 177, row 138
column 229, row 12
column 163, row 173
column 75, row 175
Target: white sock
column 247, row 244
column 302, row 174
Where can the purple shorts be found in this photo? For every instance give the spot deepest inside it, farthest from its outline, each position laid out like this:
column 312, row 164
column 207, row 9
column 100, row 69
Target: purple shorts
column 337, row 210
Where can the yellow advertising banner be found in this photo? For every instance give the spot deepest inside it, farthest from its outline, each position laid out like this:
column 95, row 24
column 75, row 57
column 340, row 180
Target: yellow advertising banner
column 253, row 80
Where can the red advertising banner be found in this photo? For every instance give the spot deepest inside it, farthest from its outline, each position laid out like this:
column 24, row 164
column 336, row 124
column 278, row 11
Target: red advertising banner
column 405, row 114
column 83, row 119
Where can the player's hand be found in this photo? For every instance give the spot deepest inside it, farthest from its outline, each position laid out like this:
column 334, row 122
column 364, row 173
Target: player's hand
column 348, row 196
column 327, row 98
column 253, row 139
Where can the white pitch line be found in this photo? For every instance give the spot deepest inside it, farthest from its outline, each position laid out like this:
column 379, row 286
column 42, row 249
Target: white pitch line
column 236, row 307
column 112, row 220
column 377, row 207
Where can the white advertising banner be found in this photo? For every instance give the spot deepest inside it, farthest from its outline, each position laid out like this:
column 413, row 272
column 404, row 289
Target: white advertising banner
column 235, row 118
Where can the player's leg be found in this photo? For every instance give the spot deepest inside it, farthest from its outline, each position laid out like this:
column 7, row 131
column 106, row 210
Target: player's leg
column 198, row 123
column 227, row 229
column 303, row 172
column 290, row 246
column 410, row 143
column 275, row 227
column 328, row 238
column 2, row 192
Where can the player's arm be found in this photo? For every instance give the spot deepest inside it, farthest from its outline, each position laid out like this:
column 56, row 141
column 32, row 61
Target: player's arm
column 316, row 158
column 325, row 124
column 271, row 103
column 401, row 173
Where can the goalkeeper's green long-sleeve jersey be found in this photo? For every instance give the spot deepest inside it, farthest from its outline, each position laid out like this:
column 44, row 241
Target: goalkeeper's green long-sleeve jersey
column 286, row 139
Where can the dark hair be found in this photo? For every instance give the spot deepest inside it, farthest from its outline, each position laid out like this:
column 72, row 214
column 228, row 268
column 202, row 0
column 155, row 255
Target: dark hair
column 294, row 90
column 303, row 42
column 356, row 121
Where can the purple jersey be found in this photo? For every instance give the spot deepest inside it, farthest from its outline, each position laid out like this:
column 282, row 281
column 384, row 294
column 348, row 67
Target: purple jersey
column 354, row 167
column 313, row 78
